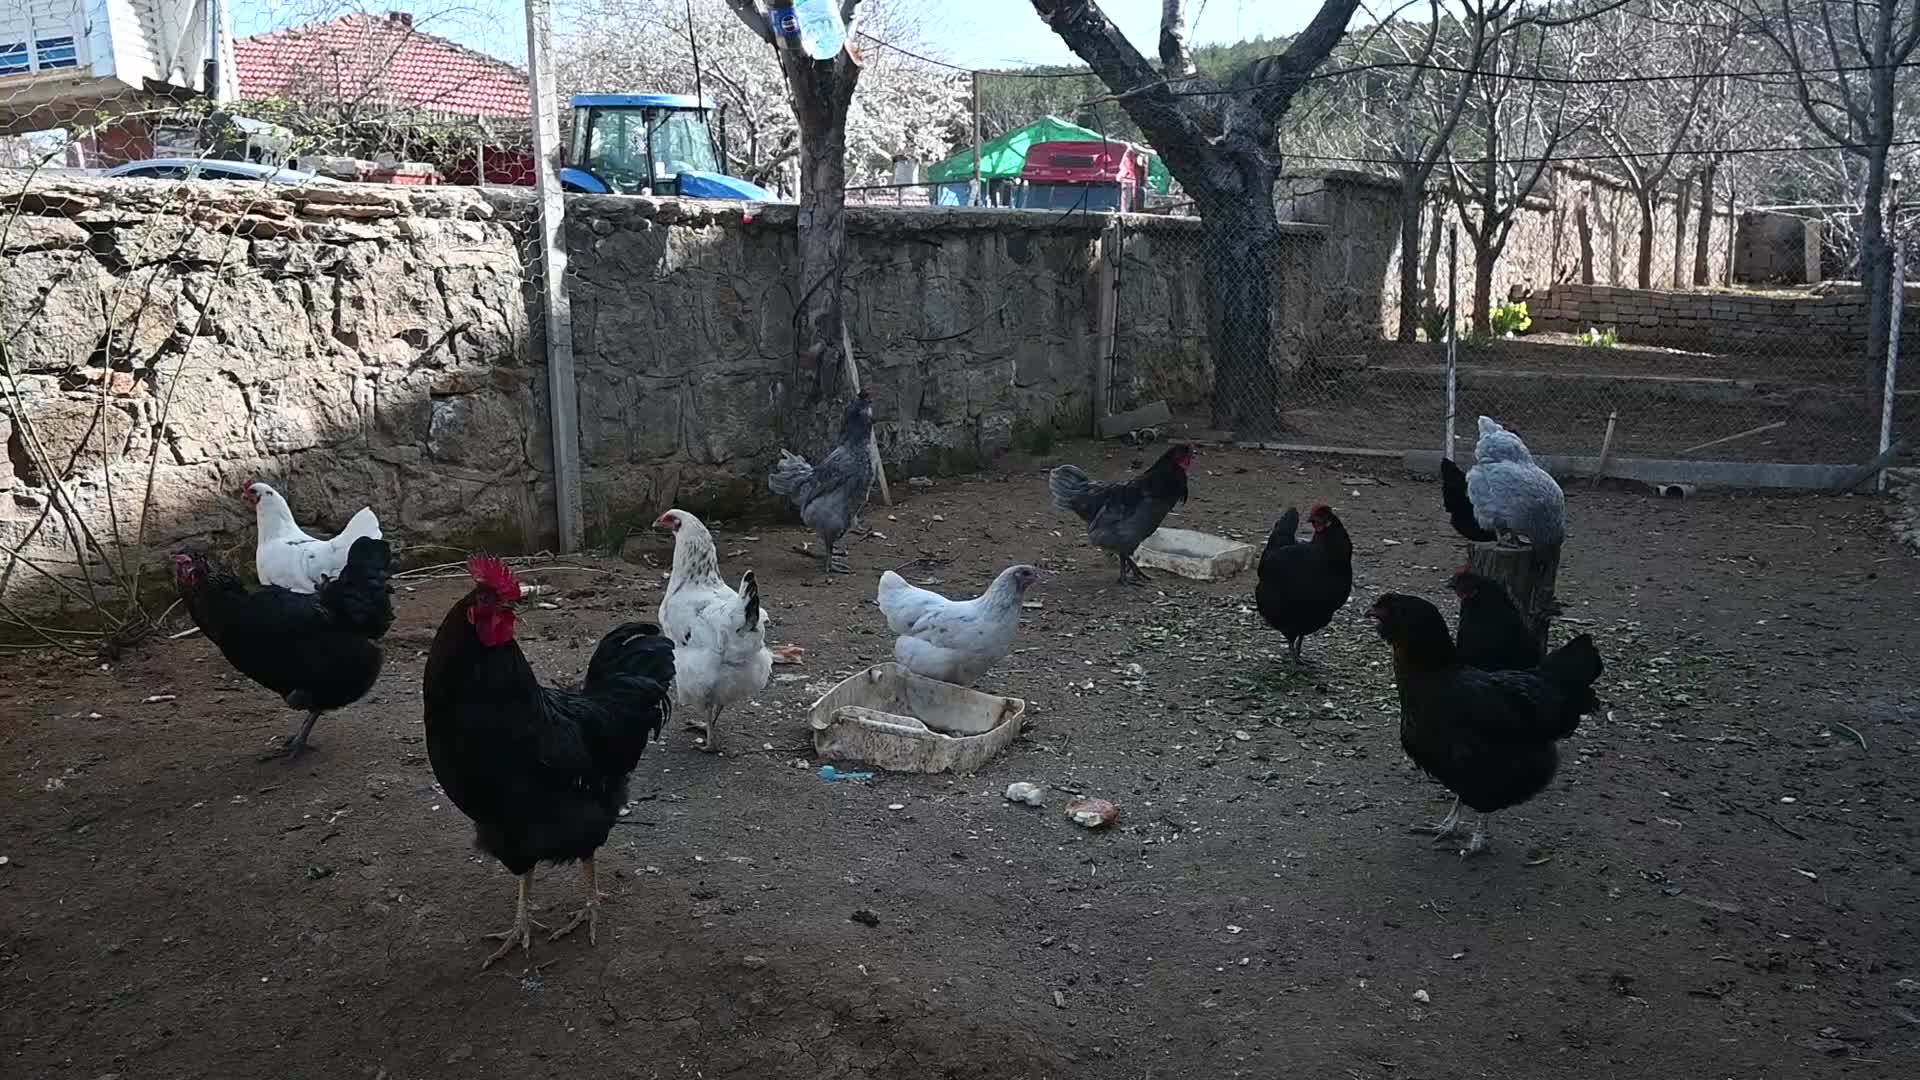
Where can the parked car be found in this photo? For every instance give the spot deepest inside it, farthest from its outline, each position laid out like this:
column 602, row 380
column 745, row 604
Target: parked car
column 213, row 169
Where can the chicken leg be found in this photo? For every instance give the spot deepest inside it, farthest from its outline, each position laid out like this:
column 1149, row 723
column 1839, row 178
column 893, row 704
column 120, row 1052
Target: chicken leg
column 294, row 745
column 589, row 913
column 1447, row 827
column 711, row 744
column 522, row 932
column 1481, row 841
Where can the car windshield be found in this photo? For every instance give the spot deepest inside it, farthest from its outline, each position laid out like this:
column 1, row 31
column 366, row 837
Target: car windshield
column 618, row 140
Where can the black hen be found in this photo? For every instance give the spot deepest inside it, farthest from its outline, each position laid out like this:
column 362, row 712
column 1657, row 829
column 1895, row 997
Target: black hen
column 1120, row 516
column 831, row 497
column 317, row 651
column 1487, row 735
column 1493, row 635
column 542, row 772
column 1458, row 504
column 1302, row 585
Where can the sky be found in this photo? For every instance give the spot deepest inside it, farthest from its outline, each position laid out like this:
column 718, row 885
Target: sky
column 980, row 33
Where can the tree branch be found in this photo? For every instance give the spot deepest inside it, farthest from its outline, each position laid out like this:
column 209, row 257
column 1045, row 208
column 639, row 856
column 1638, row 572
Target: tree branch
column 754, row 18
column 1176, row 59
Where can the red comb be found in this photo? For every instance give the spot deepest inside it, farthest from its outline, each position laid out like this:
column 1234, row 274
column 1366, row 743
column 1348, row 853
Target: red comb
column 1318, row 508
column 1464, row 569
column 495, row 574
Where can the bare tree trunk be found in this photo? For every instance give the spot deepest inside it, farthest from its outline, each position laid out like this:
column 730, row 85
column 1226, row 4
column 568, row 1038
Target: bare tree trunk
column 1876, row 266
column 1643, row 268
column 1485, row 259
column 1411, row 300
column 1704, row 233
column 1682, row 202
column 823, row 257
column 1584, row 225
column 1246, row 384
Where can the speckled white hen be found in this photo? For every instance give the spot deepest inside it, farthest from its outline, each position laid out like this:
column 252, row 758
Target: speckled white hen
column 954, row 641
column 1511, row 495
column 720, row 655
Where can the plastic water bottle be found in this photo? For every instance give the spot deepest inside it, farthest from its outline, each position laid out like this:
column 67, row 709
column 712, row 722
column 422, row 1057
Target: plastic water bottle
column 822, row 34
column 786, row 27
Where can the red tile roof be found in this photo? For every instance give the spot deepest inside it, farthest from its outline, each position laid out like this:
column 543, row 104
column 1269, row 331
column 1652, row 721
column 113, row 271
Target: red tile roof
column 379, row 60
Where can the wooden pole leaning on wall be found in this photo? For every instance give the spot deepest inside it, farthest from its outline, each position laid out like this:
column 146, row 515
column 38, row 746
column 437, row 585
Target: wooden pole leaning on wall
column 563, row 394
column 1528, row 573
column 853, row 384
column 1106, row 257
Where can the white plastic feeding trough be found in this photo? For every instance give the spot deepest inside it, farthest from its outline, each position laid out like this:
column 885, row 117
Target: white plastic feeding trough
column 1197, row 555
column 899, row 721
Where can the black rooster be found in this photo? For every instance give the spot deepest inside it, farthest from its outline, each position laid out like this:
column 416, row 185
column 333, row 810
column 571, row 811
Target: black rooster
column 1120, row 516
column 542, row 772
column 1302, row 585
column 1493, row 635
column 316, row 650
column 1488, row 736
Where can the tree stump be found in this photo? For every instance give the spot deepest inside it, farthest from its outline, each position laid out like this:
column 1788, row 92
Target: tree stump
column 1528, row 573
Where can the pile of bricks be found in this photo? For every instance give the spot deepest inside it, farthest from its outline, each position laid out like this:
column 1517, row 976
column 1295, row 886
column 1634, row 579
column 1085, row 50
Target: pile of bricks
column 1834, row 319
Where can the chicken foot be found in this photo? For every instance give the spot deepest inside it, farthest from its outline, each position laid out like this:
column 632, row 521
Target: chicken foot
column 294, row 745
column 1130, row 572
column 1481, row 841
column 1447, row 827
column 589, row 913
column 522, row 932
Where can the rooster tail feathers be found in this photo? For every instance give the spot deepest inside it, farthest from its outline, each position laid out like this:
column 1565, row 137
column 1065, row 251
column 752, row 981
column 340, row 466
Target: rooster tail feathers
column 793, row 477
column 361, row 595
column 1574, row 668
column 1071, row 490
column 1286, row 530
column 1459, row 504
column 639, row 657
column 750, row 593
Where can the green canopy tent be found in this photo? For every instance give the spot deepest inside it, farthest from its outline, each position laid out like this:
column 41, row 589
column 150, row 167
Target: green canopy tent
column 1004, row 157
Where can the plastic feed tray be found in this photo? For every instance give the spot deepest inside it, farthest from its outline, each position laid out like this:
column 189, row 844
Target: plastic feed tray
column 1197, row 555
column 898, row 721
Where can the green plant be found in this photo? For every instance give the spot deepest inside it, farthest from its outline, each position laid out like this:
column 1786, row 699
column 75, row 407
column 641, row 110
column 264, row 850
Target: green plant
column 1599, row 339
column 1510, row 319
column 1433, row 322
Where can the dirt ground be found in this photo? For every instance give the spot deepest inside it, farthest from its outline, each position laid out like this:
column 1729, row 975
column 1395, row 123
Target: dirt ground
column 1722, row 882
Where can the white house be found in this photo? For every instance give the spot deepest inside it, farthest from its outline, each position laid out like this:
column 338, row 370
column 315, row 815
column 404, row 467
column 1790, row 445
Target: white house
column 64, row 62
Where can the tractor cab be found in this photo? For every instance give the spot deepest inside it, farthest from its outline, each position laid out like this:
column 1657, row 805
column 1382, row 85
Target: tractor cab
column 649, row 144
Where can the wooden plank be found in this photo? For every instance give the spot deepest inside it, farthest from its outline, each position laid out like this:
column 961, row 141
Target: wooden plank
column 563, row 393
column 1529, row 575
column 1106, row 256
column 1733, row 474
column 1144, row 416
column 853, row 383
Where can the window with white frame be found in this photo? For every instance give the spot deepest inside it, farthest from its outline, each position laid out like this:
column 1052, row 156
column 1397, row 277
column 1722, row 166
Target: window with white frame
column 37, row 37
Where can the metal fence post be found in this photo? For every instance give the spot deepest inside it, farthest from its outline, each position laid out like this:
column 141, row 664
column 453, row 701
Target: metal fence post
column 1889, row 392
column 563, row 395
column 1453, row 333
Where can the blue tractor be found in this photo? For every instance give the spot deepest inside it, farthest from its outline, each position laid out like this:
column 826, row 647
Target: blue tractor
column 649, row 144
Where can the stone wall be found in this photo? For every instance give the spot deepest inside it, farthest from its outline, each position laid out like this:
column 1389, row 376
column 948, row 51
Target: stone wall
column 1831, row 321
column 383, row 346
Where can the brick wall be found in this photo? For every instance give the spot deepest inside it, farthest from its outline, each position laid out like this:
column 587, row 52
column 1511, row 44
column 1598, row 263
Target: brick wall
column 1833, row 320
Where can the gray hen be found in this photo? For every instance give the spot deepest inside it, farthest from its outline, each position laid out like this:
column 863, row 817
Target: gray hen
column 1511, row 495
column 831, row 496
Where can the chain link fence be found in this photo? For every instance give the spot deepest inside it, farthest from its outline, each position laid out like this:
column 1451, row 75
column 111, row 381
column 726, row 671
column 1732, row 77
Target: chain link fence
column 1723, row 373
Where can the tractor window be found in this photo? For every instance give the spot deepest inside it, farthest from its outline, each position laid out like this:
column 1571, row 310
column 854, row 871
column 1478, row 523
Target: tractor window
column 681, row 144
column 617, row 148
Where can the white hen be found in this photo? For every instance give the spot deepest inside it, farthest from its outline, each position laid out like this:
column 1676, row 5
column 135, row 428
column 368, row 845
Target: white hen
column 285, row 556
column 720, row 654
column 954, row 641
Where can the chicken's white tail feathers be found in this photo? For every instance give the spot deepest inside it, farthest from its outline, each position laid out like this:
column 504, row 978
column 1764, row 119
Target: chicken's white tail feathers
column 792, row 477
column 363, row 523
column 1066, row 484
